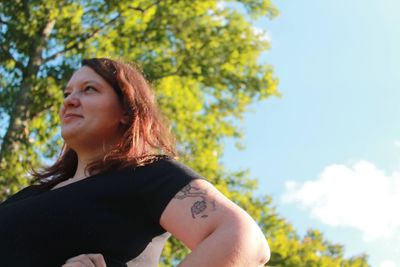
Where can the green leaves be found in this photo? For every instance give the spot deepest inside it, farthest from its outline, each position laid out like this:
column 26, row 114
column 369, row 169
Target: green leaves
column 202, row 58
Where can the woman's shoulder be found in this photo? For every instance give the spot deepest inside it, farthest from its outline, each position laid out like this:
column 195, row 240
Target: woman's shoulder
column 166, row 165
column 23, row 193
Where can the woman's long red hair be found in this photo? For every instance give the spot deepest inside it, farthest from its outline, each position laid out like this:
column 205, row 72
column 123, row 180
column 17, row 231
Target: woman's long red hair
column 146, row 137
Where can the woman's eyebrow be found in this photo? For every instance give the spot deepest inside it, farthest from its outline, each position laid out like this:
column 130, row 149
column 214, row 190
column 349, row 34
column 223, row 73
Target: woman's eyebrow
column 84, row 83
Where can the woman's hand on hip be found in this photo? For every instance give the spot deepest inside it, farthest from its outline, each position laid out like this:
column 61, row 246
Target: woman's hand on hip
column 86, row 260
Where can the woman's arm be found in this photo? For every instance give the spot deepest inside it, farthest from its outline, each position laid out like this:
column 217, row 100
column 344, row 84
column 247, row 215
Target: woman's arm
column 86, row 260
column 218, row 232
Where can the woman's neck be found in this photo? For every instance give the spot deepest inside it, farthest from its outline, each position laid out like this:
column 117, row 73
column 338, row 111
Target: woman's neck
column 80, row 172
column 87, row 155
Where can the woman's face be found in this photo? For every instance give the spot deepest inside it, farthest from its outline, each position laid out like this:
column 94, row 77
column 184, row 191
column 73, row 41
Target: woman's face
column 91, row 115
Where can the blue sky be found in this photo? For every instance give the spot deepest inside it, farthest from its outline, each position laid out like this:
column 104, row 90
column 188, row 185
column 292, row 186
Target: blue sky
column 328, row 151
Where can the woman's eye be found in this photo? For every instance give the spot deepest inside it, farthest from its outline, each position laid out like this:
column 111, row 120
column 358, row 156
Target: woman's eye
column 66, row 94
column 89, row 88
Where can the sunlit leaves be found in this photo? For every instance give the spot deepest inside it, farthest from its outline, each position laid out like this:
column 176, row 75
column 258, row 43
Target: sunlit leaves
column 202, row 58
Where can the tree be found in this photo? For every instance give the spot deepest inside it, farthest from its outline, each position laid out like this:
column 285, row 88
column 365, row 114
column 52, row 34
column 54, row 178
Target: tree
column 201, row 58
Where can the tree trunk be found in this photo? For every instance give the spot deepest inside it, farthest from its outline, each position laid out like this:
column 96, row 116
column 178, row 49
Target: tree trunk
column 17, row 131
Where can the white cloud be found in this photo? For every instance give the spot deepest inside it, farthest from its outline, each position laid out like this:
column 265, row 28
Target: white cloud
column 361, row 197
column 397, row 143
column 388, row 263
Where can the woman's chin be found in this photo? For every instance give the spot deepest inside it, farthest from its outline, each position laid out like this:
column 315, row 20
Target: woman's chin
column 69, row 135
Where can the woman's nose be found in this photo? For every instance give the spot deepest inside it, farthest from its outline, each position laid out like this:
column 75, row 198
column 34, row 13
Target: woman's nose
column 71, row 100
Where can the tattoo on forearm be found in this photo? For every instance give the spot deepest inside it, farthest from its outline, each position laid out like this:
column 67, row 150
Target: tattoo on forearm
column 203, row 206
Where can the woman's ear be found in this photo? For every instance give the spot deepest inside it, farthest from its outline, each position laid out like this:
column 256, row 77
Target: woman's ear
column 125, row 119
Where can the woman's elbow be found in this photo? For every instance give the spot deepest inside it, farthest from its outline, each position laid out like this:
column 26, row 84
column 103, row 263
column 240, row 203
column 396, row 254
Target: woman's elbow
column 261, row 252
column 265, row 253
column 257, row 248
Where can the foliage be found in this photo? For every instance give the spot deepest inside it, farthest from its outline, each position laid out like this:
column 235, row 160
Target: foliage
column 202, row 59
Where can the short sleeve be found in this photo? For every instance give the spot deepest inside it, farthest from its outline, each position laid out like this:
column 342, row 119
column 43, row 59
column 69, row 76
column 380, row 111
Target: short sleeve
column 160, row 182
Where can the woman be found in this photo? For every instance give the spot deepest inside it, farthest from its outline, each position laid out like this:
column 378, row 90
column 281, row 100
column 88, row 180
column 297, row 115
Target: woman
column 116, row 188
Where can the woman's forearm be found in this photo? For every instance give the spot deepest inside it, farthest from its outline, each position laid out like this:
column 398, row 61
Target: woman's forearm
column 234, row 244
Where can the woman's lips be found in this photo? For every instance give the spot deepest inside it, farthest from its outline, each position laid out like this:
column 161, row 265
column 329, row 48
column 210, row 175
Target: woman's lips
column 70, row 116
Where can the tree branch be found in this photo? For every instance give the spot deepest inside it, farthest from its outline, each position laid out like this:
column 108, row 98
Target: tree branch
column 84, row 38
column 88, row 36
column 39, row 111
column 3, row 21
column 181, row 65
column 8, row 54
column 142, row 10
column 174, row 73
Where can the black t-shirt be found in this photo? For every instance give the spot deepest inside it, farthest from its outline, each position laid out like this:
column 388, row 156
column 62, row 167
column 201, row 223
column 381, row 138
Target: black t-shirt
column 116, row 214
